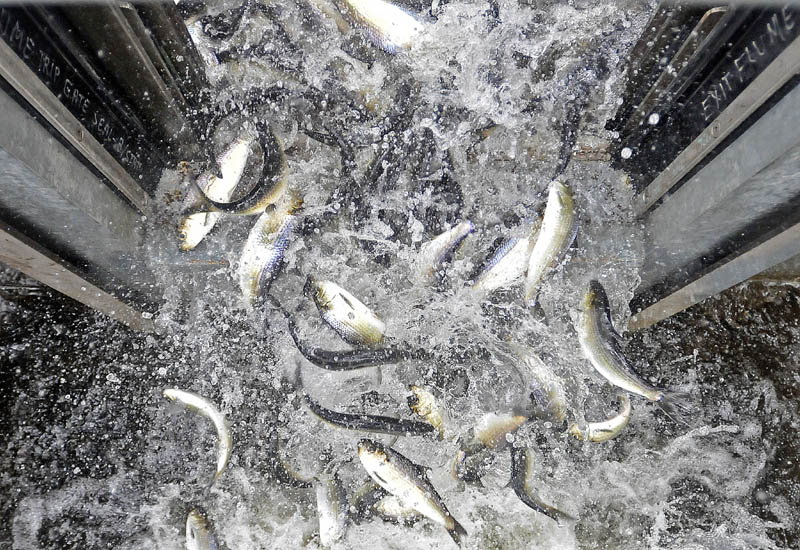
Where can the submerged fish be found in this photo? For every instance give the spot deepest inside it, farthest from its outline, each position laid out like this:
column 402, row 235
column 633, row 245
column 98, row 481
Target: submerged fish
column 547, row 389
column 434, row 255
column 199, row 535
column 409, row 483
column 608, row 429
column 521, row 473
column 206, row 408
column 346, row 314
column 425, row 404
column 476, row 451
column 559, row 227
column 492, row 429
column 267, row 191
column 389, row 26
column 280, row 470
column 262, row 256
column 600, row 344
column 389, row 508
column 332, row 507
column 194, row 227
column 364, row 422
column 507, row 264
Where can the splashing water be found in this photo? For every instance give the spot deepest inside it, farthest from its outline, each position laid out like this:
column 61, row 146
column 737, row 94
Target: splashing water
column 466, row 124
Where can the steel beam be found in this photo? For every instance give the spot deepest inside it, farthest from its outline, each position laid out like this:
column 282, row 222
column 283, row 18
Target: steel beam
column 778, row 73
column 26, row 83
column 772, row 252
column 25, row 255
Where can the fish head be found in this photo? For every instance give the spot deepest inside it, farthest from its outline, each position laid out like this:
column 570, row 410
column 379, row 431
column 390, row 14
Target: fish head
column 595, row 297
column 322, row 292
column 191, row 230
column 373, row 449
column 170, row 394
column 563, row 193
column 197, row 534
column 576, row 431
column 420, row 401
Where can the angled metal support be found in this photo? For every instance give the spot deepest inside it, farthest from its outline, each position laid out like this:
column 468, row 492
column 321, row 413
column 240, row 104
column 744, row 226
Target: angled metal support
column 25, row 255
column 778, row 249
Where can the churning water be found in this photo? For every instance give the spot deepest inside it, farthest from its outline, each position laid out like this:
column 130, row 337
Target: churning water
column 471, row 123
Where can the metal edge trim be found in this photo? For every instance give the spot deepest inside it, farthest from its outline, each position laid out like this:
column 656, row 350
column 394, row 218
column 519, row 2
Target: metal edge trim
column 769, row 253
column 777, row 73
column 22, row 254
column 45, row 102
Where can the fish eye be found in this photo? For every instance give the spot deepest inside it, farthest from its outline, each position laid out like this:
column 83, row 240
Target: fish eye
column 350, row 315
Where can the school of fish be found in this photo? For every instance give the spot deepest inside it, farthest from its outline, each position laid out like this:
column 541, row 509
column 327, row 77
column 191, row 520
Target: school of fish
column 398, row 488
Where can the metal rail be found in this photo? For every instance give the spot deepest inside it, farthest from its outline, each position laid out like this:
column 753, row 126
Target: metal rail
column 25, row 255
column 28, row 85
column 780, row 71
column 778, row 249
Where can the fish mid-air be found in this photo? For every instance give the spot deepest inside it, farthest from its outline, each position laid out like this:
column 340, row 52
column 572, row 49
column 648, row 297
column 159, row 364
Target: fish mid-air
column 409, row 483
column 558, row 231
column 204, row 407
column 600, row 344
column 388, row 25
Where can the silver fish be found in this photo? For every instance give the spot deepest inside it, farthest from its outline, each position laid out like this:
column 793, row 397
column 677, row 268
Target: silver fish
column 346, row 314
column 521, row 473
column 508, row 263
column 194, row 227
column 547, row 389
column 600, row 344
column 389, row 26
column 409, row 483
column 558, row 231
column 476, row 451
column 389, row 508
column 199, row 535
column 434, row 255
column 203, row 406
column 267, row 191
column 608, row 429
column 332, row 507
column 262, row 255
column 364, row 422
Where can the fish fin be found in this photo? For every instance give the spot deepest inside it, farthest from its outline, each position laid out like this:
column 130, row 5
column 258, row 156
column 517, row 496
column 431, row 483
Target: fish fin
column 295, row 201
column 677, row 406
column 457, row 531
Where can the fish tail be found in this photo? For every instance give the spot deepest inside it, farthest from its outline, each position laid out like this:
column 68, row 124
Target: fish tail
column 532, row 297
column 677, row 406
column 560, row 517
column 456, row 531
column 533, row 502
